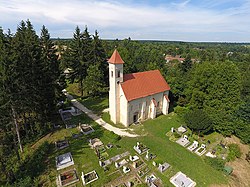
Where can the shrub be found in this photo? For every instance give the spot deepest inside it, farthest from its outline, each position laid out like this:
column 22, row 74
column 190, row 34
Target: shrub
column 198, row 121
column 181, row 110
column 234, row 152
column 216, row 163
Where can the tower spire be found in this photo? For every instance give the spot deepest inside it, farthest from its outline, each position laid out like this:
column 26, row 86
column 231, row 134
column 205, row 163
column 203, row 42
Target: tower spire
column 116, row 58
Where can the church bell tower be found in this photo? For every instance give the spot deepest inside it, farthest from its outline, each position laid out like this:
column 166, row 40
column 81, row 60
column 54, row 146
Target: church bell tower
column 115, row 78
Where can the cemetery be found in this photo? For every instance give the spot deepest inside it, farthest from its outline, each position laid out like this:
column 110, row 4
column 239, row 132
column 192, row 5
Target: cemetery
column 61, row 144
column 86, row 129
column 181, row 180
column 89, row 177
column 193, row 146
column 67, row 178
column 201, row 150
column 140, row 148
column 183, row 141
column 64, row 160
column 123, row 165
column 163, row 167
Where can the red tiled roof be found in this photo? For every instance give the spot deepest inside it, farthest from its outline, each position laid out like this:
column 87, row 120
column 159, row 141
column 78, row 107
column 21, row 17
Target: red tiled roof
column 142, row 84
column 115, row 58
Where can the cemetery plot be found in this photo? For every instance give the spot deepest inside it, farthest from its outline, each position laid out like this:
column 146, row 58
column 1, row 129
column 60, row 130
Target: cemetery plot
column 89, row 177
column 62, row 144
column 78, row 135
column 150, row 156
column 138, row 163
column 140, row 148
column 67, row 178
column 181, row 180
column 86, row 129
column 201, row 150
column 143, row 171
column 66, row 116
column 125, row 169
column 64, row 160
column 181, row 129
column 183, row 141
column 95, row 143
column 163, row 167
column 69, row 125
column 193, row 146
column 153, row 181
column 133, row 182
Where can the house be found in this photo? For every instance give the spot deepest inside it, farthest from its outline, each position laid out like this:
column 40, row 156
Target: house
column 169, row 58
column 135, row 97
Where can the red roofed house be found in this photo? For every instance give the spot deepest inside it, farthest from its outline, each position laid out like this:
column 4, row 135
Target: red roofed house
column 137, row 96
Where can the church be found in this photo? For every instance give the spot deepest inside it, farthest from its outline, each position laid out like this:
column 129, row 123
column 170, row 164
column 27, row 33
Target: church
column 135, row 97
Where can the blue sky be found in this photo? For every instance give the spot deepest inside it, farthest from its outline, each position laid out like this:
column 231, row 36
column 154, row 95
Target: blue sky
column 181, row 20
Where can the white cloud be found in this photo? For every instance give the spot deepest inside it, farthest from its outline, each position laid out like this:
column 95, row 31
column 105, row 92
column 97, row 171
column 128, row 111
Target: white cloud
column 123, row 20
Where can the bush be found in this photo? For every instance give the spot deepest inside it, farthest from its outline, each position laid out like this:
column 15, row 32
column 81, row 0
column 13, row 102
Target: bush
column 198, row 121
column 234, row 152
column 181, row 111
column 216, row 163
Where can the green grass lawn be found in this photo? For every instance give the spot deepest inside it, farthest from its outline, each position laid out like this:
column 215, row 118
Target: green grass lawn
column 167, row 151
column 106, row 118
column 73, row 89
column 96, row 104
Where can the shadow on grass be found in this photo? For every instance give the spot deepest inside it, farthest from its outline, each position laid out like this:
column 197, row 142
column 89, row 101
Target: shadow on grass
column 36, row 164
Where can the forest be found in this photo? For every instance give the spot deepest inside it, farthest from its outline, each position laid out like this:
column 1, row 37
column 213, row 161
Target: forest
column 213, row 81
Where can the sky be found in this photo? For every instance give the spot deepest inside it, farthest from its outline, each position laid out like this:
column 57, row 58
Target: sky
column 170, row 20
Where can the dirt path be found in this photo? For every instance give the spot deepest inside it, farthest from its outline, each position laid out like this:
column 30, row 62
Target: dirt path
column 98, row 119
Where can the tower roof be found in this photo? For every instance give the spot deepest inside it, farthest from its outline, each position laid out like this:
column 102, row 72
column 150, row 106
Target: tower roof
column 116, row 58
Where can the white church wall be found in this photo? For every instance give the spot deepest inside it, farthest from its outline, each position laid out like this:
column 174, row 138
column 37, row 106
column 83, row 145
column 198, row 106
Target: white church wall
column 123, row 108
column 136, row 106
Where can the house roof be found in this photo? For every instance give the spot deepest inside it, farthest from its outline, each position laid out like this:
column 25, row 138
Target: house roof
column 116, row 58
column 169, row 58
column 143, row 84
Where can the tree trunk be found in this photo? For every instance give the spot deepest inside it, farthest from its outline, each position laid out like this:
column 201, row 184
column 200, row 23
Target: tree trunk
column 17, row 129
column 81, row 87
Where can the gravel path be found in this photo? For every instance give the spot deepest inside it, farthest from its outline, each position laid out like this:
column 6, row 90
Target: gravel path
column 98, row 119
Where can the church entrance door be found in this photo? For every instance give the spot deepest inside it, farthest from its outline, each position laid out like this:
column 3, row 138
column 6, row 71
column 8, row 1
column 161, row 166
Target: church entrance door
column 135, row 118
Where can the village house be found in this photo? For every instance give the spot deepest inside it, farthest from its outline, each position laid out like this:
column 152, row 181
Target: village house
column 169, row 58
column 135, row 97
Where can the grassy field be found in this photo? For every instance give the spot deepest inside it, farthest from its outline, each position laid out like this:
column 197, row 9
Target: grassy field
column 155, row 130
column 73, row 89
column 106, row 118
column 96, row 104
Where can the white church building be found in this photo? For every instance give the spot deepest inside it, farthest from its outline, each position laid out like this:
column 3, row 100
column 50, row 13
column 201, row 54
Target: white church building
column 135, row 97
